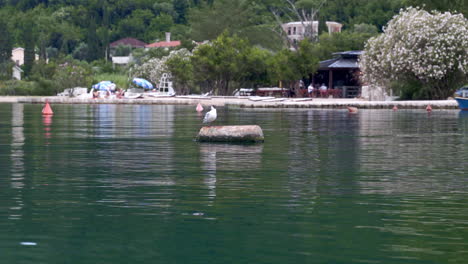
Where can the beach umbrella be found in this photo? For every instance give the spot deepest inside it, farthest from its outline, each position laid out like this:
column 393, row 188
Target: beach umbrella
column 104, row 86
column 142, row 83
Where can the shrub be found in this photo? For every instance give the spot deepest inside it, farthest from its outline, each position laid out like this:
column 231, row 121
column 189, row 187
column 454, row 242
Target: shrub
column 419, row 46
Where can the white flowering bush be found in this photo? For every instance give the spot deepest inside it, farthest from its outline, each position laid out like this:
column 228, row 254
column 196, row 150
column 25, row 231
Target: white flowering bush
column 416, row 45
column 153, row 69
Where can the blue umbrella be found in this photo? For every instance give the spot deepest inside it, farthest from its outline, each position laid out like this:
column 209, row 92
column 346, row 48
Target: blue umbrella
column 104, row 86
column 142, row 83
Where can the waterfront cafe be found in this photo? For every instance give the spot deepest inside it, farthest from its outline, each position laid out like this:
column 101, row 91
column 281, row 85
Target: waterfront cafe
column 340, row 74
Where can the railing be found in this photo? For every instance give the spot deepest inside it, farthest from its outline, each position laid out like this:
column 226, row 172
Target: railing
column 350, row 91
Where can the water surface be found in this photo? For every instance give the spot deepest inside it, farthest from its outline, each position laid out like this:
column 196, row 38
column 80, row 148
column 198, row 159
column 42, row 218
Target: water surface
column 128, row 184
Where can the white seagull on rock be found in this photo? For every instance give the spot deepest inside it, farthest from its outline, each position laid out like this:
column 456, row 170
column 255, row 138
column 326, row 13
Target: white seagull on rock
column 210, row 116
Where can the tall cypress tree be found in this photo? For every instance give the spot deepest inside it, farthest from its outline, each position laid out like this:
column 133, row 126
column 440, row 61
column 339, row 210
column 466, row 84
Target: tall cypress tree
column 6, row 45
column 92, row 41
column 29, row 41
column 105, row 32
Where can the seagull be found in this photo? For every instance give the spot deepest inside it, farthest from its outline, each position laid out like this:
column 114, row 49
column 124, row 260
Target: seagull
column 210, row 116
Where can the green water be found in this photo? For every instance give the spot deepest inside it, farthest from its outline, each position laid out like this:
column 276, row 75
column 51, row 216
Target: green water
column 127, row 184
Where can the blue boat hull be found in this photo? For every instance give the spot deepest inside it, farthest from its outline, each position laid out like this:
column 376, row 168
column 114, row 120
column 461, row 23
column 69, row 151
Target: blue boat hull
column 462, row 103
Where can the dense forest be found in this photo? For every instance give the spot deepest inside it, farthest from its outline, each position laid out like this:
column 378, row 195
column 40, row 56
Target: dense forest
column 83, row 29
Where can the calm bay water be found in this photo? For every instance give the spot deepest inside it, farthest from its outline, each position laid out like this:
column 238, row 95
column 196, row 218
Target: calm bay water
column 127, row 184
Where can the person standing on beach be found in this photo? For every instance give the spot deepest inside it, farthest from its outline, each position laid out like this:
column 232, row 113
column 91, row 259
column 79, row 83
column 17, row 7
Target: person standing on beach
column 310, row 89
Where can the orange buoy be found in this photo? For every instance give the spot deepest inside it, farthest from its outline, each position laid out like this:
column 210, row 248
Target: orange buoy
column 395, row 108
column 47, row 110
column 428, row 108
column 199, row 107
column 352, row 109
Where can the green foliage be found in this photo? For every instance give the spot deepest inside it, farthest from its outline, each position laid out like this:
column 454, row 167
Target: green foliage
column 6, row 41
column 104, row 66
column 52, row 53
column 81, row 51
column 94, row 51
column 419, row 46
column 209, row 21
column 459, row 6
column 122, row 50
column 29, row 42
column 221, row 62
column 158, row 26
column 281, row 67
column 6, row 70
column 182, row 71
column 72, row 73
column 15, row 87
column 410, row 89
column 120, row 80
column 337, row 42
column 21, row 88
column 364, row 28
column 63, row 25
column 256, row 68
column 43, row 70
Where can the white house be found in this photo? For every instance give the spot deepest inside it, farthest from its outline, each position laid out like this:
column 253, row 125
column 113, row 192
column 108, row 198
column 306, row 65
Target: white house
column 297, row 29
column 121, row 60
column 17, row 72
column 17, row 55
column 333, row 27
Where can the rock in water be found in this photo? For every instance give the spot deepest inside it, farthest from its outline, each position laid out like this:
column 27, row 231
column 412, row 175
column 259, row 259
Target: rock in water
column 240, row 134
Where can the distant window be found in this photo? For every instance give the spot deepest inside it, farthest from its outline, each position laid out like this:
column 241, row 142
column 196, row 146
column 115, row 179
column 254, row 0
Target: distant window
column 294, row 30
column 289, row 31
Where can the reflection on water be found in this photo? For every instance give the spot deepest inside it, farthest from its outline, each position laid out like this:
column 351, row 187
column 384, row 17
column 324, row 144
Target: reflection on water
column 47, row 121
column 128, row 183
column 233, row 157
column 17, row 159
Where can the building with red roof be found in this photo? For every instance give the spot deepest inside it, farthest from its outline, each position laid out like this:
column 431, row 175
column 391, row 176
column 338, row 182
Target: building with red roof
column 165, row 44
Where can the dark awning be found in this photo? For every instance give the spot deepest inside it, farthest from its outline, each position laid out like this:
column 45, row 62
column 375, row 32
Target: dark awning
column 346, row 60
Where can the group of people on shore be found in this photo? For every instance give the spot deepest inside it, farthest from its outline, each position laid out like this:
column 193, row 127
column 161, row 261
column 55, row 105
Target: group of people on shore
column 109, row 92
column 311, row 88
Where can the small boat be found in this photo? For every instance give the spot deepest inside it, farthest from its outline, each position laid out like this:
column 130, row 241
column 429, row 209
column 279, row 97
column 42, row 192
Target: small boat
column 462, row 103
column 461, row 96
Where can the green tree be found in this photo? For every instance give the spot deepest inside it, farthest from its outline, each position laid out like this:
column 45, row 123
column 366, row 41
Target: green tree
column 45, row 26
column 417, row 46
column 29, row 42
column 221, row 62
column 94, row 50
column 181, row 69
column 305, row 60
column 256, row 68
column 6, row 45
column 246, row 19
column 459, row 6
column 281, row 69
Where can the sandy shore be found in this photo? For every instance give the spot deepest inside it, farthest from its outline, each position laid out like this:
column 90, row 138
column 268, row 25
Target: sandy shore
column 242, row 102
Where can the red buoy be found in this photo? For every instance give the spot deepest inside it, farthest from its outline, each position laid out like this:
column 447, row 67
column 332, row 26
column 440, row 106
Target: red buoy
column 47, row 110
column 199, row 107
column 428, row 108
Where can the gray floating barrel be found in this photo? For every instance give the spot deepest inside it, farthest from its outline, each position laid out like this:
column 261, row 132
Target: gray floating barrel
column 239, row 134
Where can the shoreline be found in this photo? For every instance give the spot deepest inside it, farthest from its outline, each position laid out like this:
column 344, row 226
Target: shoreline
column 241, row 102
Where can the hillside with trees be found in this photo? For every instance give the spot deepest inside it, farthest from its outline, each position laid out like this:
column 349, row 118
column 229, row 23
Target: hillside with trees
column 78, row 33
